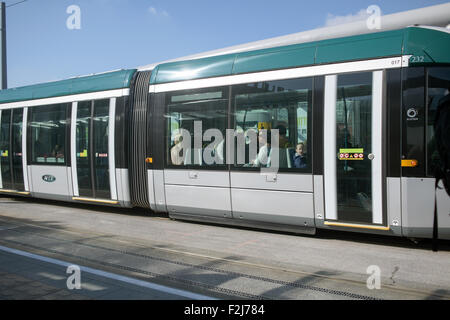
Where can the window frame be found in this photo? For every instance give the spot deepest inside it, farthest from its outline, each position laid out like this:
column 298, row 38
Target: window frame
column 167, row 133
column 310, row 131
column 67, row 118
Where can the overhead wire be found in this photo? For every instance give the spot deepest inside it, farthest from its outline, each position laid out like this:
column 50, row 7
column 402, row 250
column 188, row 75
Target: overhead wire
column 14, row 4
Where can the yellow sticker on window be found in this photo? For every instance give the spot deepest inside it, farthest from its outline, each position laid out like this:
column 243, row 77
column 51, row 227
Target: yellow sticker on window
column 351, row 154
column 264, row 125
column 83, row 154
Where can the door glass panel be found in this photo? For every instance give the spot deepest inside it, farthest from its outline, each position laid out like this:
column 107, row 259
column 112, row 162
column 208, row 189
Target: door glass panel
column 353, row 147
column 5, row 150
column 438, row 93
column 101, row 155
column 82, row 149
column 17, row 164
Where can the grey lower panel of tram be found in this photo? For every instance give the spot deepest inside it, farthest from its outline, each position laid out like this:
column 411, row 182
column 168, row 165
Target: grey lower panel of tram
column 54, row 181
column 279, row 201
column 418, row 199
column 123, row 187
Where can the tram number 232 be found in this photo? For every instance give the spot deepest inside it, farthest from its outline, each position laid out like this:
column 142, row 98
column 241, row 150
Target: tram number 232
column 417, row 59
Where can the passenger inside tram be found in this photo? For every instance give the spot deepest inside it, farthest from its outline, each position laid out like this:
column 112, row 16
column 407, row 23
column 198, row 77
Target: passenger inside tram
column 299, row 158
column 284, row 141
column 262, row 158
column 58, row 152
column 40, row 148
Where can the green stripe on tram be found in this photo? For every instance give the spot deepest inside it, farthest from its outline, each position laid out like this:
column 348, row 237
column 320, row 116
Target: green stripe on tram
column 87, row 84
column 423, row 44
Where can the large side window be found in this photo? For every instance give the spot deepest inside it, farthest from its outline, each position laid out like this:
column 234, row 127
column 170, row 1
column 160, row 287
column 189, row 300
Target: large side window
column 196, row 123
column 48, row 134
column 438, row 91
column 284, row 105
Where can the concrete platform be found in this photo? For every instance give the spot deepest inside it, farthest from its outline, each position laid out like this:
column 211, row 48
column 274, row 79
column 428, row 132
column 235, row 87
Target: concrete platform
column 215, row 261
column 31, row 277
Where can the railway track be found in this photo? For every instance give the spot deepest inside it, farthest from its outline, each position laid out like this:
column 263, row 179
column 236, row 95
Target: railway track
column 186, row 269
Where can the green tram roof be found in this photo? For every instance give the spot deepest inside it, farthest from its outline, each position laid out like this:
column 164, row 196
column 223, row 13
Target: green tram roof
column 431, row 44
column 87, row 84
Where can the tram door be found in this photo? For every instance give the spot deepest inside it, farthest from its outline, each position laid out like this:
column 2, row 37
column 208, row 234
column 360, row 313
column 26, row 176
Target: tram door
column 92, row 149
column 353, row 148
column 11, row 161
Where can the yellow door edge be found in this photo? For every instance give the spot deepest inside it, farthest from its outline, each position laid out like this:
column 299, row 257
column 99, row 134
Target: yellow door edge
column 25, row 193
column 353, row 225
column 95, row 200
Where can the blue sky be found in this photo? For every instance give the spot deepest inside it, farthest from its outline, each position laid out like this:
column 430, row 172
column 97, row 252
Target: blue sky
column 117, row 34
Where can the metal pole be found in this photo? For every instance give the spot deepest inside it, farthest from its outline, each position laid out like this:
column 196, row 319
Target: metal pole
column 3, row 78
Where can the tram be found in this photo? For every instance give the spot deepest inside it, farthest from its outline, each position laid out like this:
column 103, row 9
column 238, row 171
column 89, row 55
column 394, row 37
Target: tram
column 354, row 118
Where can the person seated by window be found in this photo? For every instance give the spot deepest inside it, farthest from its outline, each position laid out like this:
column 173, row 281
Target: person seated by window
column 284, row 141
column 58, row 152
column 40, row 149
column 299, row 158
column 176, row 154
column 262, row 159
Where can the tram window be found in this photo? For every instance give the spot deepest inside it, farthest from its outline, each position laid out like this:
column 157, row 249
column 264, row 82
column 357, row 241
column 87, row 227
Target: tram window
column 438, row 89
column 284, row 105
column 48, row 134
column 196, row 127
column 5, row 149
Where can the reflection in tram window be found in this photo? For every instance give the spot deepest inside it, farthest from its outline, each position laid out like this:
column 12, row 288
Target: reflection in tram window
column 284, row 105
column 101, row 156
column 5, row 150
column 82, row 149
column 92, row 151
column 438, row 92
column 11, row 163
column 48, row 134
column 199, row 112
column 17, row 162
column 353, row 144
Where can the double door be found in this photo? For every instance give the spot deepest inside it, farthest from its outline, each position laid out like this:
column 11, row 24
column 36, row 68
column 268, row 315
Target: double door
column 93, row 172
column 11, row 150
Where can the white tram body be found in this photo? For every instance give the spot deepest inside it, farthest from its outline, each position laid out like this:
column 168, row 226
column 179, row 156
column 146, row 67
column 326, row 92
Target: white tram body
column 362, row 107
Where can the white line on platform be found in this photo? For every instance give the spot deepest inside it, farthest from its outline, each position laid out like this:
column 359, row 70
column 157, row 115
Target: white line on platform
column 145, row 284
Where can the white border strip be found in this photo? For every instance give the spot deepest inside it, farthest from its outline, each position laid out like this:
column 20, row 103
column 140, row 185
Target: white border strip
column 328, row 69
column 329, row 148
column 73, row 147
column 136, row 282
column 67, row 99
column 377, row 150
column 111, row 147
column 24, row 149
